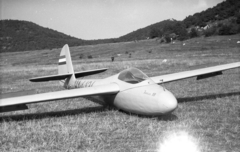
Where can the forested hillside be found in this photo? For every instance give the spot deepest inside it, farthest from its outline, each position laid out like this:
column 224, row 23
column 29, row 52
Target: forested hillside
column 223, row 19
column 226, row 9
column 164, row 28
column 22, row 35
column 18, row 35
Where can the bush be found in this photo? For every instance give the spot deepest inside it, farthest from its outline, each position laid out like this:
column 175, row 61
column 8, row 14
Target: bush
column 193, row 33
column 210, row 31
column 81, row 56
column 228, row 29
column 155, row 33
column 238, row 19
column 168, row 39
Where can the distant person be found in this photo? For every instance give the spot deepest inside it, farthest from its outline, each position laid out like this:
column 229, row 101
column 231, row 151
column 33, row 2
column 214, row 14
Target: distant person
column 112, row 58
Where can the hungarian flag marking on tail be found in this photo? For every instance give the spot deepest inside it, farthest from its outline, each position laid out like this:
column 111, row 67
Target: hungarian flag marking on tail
column 62, row 60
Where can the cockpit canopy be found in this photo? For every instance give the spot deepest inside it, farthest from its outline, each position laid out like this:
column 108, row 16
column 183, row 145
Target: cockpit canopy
column 133, row 76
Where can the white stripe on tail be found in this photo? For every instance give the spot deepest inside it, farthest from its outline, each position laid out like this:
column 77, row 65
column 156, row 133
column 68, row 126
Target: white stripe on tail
column 65, row 67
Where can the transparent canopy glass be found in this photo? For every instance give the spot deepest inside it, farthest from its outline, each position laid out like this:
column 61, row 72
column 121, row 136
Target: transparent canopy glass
column 133, row 76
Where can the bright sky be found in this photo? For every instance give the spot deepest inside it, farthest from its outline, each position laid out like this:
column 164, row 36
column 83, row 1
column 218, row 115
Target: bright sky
column 99, row 19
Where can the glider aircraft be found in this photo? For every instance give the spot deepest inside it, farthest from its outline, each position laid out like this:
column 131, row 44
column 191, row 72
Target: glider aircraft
column 130, row 90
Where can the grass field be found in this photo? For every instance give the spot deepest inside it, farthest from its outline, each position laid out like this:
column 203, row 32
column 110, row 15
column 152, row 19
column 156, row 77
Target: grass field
column 207, row 118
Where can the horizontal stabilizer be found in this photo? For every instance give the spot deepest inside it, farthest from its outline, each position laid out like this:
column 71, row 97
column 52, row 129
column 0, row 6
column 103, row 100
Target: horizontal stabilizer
column 64, row 76
column 50, row 78
column 90, row 72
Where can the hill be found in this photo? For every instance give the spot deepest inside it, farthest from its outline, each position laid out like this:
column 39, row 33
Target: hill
column 223, row 19
column 159, row 29
column 225, row 10
column 23, row 35
column 16, row 35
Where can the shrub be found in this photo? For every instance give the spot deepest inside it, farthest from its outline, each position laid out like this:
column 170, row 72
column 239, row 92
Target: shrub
column 168, row 39
column 210, row 31
column 155, row 33
column 228, row 29
column 81, row 56
column 193, row 33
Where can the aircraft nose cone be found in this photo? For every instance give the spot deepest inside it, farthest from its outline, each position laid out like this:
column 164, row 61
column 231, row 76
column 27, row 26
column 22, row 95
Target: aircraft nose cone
column 167, row 101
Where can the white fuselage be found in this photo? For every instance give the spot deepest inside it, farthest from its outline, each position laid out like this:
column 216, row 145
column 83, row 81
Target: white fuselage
column 145, row 98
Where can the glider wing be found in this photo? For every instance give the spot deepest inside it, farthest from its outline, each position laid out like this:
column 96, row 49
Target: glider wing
column 80, row 92
column 199, row 73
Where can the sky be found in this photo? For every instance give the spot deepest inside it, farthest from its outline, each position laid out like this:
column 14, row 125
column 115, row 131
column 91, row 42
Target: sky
column 100, row 19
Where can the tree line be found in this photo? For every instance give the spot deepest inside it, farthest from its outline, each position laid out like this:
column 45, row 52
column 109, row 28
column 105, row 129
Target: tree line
column 223, row 19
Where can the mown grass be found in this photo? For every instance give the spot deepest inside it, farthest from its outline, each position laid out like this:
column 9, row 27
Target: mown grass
column 208, row 110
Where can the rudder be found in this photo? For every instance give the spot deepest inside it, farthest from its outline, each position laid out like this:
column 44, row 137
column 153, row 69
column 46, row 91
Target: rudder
column 65, row 67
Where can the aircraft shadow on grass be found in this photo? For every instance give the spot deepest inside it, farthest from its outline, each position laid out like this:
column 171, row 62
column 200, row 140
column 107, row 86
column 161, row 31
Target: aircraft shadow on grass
column 21, row 117
column 210, row 96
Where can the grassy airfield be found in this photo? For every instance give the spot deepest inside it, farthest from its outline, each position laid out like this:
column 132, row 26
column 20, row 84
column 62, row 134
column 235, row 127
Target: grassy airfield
column 208, row 112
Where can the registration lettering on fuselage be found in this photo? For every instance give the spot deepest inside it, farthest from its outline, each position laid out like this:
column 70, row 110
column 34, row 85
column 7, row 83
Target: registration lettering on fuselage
column 83, row 84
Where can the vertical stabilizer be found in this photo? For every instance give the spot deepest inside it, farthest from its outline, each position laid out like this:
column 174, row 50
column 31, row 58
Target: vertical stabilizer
column 65, row 66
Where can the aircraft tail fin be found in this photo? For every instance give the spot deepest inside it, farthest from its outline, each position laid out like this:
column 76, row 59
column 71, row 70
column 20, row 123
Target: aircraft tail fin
column 65, row 67
column 66, row 74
